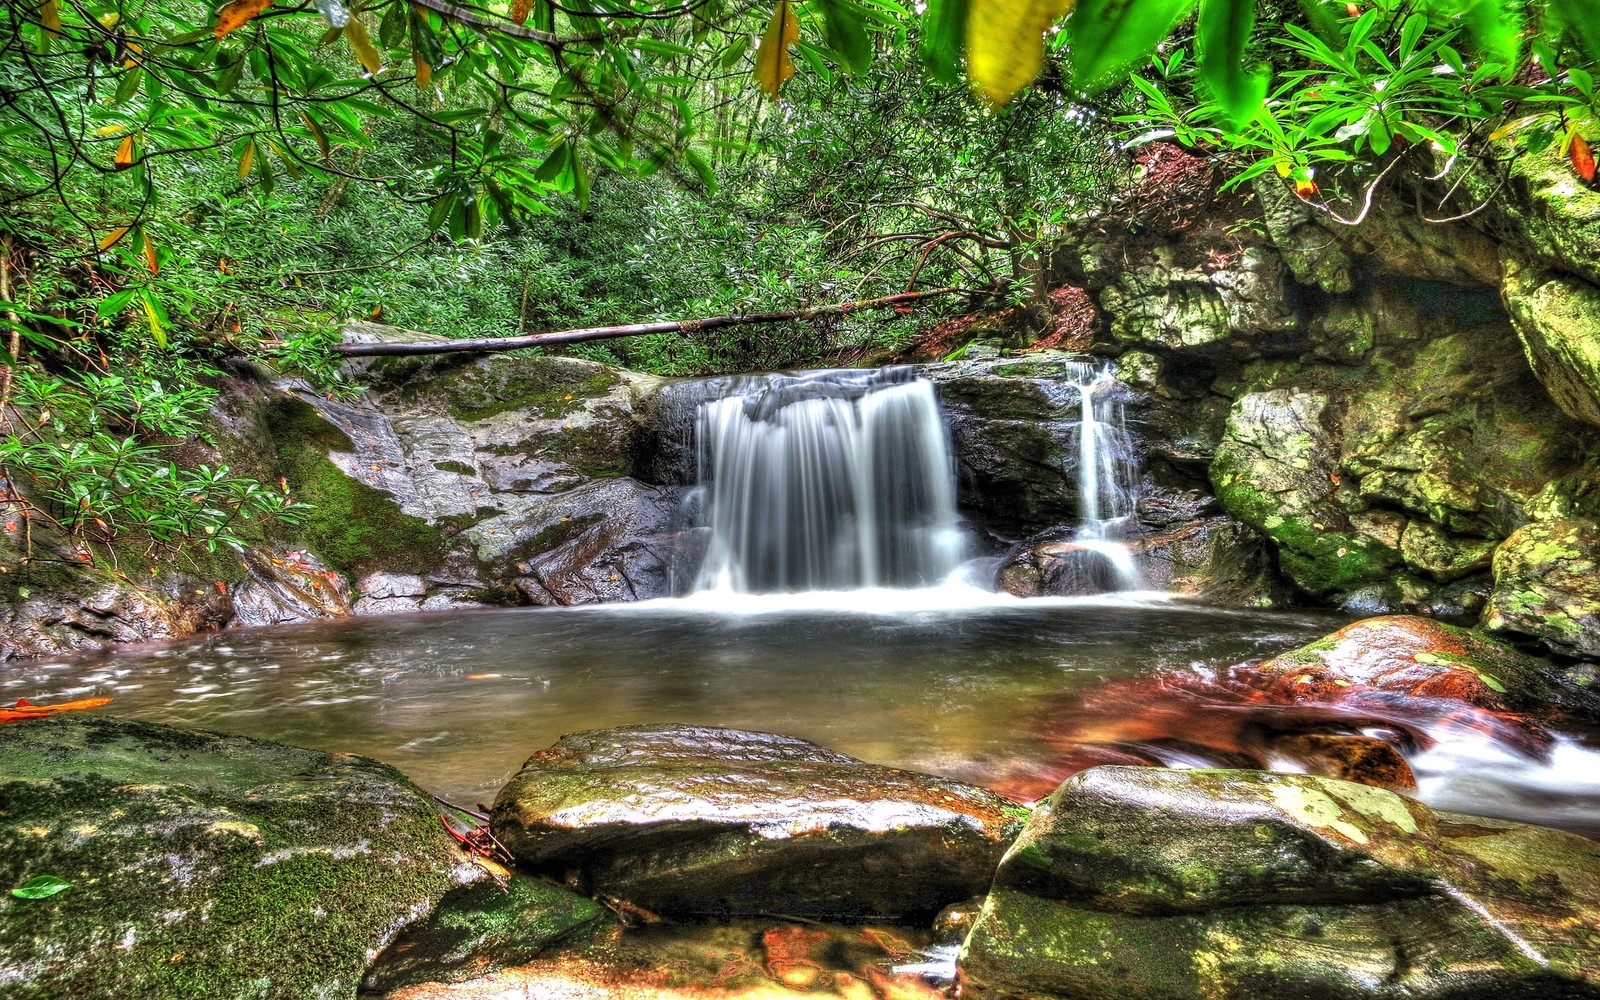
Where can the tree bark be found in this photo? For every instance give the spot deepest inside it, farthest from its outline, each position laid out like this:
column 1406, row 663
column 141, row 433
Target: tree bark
column 483, row 344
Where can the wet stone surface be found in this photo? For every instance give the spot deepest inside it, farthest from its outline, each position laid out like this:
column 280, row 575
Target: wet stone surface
column 716, row 822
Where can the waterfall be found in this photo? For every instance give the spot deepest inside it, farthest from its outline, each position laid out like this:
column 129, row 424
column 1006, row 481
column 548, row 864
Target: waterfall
column 830, row 480
column 1099, row 556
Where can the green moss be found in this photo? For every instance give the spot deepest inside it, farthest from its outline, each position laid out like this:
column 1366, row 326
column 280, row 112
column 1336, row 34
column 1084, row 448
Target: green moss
column 355, row 528
column 547, row 386
column 460, row 468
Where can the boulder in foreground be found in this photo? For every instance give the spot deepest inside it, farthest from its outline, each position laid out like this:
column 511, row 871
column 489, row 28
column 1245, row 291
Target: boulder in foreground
column 715, row 822
column 1136, row 883
column 218, row 867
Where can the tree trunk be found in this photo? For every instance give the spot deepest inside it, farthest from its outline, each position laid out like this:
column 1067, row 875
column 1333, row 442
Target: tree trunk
column 482, row 344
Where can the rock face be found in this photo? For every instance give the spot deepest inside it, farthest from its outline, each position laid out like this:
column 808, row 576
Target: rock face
column 502, row 479
column 717, row 822
column 1547, row 585
column 221, row 867
column 1150, row 883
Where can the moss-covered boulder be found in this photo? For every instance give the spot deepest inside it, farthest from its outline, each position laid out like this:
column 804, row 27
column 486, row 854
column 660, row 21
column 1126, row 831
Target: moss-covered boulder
column 1558, row 319
column 211, row 866
column 1547, row 585
column 717, row 822
column 1277, row 471
column 1246, row 885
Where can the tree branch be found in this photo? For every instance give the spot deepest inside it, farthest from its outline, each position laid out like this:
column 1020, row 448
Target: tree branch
column 478, row 345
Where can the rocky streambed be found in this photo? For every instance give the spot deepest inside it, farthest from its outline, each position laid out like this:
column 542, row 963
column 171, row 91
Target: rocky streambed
column 676, row 860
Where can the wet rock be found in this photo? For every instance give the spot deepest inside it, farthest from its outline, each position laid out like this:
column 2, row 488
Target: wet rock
column 212, row 866
column 712, row 822
column 1056, row 564
column 287, row 587
column 1215, row 560
column 1557, row 316
column 1420, row 658
column 1547, row 586
column 1366, row 760
column 390, row 593
column 86, row 613
column 1143, row 882
column 482, row 927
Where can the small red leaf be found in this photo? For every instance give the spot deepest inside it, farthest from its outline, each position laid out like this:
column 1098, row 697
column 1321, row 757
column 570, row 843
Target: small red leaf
column 1582, row 158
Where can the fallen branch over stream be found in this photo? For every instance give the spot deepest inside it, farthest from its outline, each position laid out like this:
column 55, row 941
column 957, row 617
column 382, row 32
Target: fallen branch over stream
column 481, row 344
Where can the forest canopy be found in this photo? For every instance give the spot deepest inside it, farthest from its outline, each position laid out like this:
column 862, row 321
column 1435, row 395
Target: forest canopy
column 181, row 183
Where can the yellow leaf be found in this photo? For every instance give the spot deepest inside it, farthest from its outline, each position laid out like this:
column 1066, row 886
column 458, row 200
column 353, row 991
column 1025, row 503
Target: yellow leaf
column 773, row 65
column 111, row 130
column 239, row 13
column 1005, row 43
column 112, row 238
column 247, row 159
column 150, row 254
column 424, row 71
column 362, row 45
column 124, row 154
column 520, row 10
column 156, row 329
column 50, row 17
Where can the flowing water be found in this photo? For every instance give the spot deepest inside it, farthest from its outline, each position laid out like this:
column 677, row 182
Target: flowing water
column 823, row 481
column 946, row 680
column 824, row 550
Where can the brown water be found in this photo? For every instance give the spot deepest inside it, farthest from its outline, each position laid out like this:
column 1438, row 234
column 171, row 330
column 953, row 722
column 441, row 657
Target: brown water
column 946, row 681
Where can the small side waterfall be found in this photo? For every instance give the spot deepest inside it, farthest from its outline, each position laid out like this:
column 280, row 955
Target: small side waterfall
column 823, row 481
column 1098, row 555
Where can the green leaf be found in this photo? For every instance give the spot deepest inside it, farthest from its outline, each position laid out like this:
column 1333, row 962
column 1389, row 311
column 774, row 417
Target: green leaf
column 845, row 34
column 702, row 169
column 1496, row 32
column 1005, row 43
column 42, row 887
column 1582, row 20
column 734, row 52
column 1223, row 41
column 1106, row 37
column 1319, row 14
column 944, row 38
column 392, row 28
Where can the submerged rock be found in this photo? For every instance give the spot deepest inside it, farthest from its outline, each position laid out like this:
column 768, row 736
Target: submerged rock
column 212, row 866
column 1150, row 883
column 702, row 821
column 1547, row 586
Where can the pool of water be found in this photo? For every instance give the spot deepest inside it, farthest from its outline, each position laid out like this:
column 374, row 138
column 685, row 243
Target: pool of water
column 946, row 681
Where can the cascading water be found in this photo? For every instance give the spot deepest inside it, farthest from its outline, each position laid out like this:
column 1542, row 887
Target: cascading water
column 830, row 480
column 1098, row 555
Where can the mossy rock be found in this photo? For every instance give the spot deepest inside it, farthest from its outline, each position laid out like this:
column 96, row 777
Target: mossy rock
column 355, row 528
column 1547, row 586
column 211, row 866
column 1249, row 885
column 541, row 385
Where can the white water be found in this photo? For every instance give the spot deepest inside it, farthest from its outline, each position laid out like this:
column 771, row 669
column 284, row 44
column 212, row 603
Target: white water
column 824, row 481
column 1098, row 554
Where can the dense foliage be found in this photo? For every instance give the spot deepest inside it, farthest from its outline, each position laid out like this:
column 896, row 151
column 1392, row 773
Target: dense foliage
column 180, row 182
